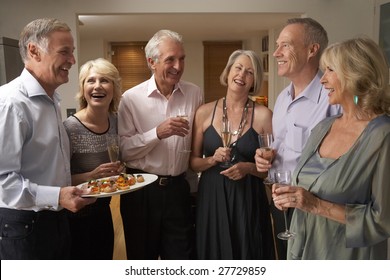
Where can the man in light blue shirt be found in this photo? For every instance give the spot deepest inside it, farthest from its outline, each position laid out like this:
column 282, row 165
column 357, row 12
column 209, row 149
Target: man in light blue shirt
column 294, row 118
column 34, row 148
column 300, row 106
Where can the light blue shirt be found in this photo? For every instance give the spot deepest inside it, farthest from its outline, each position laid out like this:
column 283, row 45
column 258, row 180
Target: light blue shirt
column 293, row 121
column 34, row 147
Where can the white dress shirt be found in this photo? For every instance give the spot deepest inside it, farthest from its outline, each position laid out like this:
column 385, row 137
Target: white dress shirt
column 141, row 110
column 34, row 147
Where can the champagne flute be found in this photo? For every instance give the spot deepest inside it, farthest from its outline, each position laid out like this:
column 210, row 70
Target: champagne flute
column 113, row 147
column 226, row 136
column 182, row 114
column 265, row 142
column 283, row 177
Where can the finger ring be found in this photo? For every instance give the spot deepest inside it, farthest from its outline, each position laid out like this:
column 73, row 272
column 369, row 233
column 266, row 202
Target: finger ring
column 223, row 157
column 294, row 199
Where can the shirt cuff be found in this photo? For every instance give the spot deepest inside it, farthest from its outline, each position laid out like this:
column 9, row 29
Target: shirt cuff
column 151, row 135
column 48, row 198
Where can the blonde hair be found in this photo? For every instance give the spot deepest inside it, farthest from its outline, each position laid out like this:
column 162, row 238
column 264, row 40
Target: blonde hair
column 362, row 69
column 109, row 71
column 257, row 66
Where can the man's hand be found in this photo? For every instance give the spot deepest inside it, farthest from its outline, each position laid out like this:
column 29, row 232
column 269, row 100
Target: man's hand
column 262, row 164
column 70, row 198
column 173, row 126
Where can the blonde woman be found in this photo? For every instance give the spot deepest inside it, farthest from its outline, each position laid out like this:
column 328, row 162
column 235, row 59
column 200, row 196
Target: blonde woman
column 99, row 95
column 341, row 193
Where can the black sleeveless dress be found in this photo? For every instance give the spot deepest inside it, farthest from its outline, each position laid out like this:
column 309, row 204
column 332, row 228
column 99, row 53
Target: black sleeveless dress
column 233, row 219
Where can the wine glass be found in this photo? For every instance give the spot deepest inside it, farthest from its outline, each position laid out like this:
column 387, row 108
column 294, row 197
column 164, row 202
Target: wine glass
column 283, row 177
column 113, row 147
column 226, row 136
column 265, row 142
column 182, row 114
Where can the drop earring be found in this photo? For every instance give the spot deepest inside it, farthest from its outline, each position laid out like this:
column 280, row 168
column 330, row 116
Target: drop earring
column 355, row 99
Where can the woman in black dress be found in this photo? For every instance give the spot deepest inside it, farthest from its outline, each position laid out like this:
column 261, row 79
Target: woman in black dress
column 233, row 220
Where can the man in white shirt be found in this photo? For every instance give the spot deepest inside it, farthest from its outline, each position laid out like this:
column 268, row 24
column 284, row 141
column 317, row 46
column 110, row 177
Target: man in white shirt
column 34, row 164
column 157, row 219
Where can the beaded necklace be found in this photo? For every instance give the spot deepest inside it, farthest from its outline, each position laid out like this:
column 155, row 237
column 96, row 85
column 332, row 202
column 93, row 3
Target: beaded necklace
column 243, row 117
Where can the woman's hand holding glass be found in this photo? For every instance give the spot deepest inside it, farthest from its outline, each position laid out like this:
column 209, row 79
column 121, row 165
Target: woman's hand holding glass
column 107, row 170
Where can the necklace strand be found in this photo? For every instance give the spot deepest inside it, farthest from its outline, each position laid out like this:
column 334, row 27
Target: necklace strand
column 243, row 117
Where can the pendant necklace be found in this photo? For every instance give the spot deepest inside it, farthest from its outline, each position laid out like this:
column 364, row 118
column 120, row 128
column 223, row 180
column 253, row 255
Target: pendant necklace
column 243, row 117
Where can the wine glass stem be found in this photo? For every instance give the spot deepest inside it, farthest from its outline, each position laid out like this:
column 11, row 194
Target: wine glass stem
column 285, row 220
column 184, row 143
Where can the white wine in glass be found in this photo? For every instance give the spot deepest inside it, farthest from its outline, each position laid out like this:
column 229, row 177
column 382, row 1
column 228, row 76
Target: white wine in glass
column 265, row 142
column 182, row 114
column 113, row 147
column 283, row 177
column 226, row 136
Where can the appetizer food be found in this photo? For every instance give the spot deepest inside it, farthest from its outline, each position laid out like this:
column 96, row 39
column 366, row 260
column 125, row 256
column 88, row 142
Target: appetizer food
column 123, row 182
column 93, row 186
column 140, row 179
column 109, row 185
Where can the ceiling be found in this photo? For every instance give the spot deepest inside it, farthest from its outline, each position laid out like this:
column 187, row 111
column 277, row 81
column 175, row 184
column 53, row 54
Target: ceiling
column 193, row 26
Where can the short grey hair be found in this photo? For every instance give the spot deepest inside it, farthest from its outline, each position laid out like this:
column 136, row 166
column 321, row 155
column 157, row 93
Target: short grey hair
column 37, row 32
column 151, row 49
column 257, row 66
column 315, row 33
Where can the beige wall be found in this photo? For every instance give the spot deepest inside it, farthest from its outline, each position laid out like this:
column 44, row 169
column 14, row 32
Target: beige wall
column 342, row 19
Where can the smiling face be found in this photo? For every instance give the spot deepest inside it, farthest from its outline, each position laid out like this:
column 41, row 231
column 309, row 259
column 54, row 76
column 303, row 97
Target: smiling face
column 338, row 94
column 332, row 83
column 241, row 75
column 51, row 67
column 98, row 90
column 169, row 66
column 291, row 52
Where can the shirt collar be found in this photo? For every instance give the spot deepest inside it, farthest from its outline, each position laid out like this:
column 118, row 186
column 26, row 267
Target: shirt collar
column 33, row 87
column 312, row 90
column 152, row 87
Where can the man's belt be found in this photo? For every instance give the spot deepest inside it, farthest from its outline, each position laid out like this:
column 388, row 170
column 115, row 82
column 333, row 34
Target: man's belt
column 163, row 180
